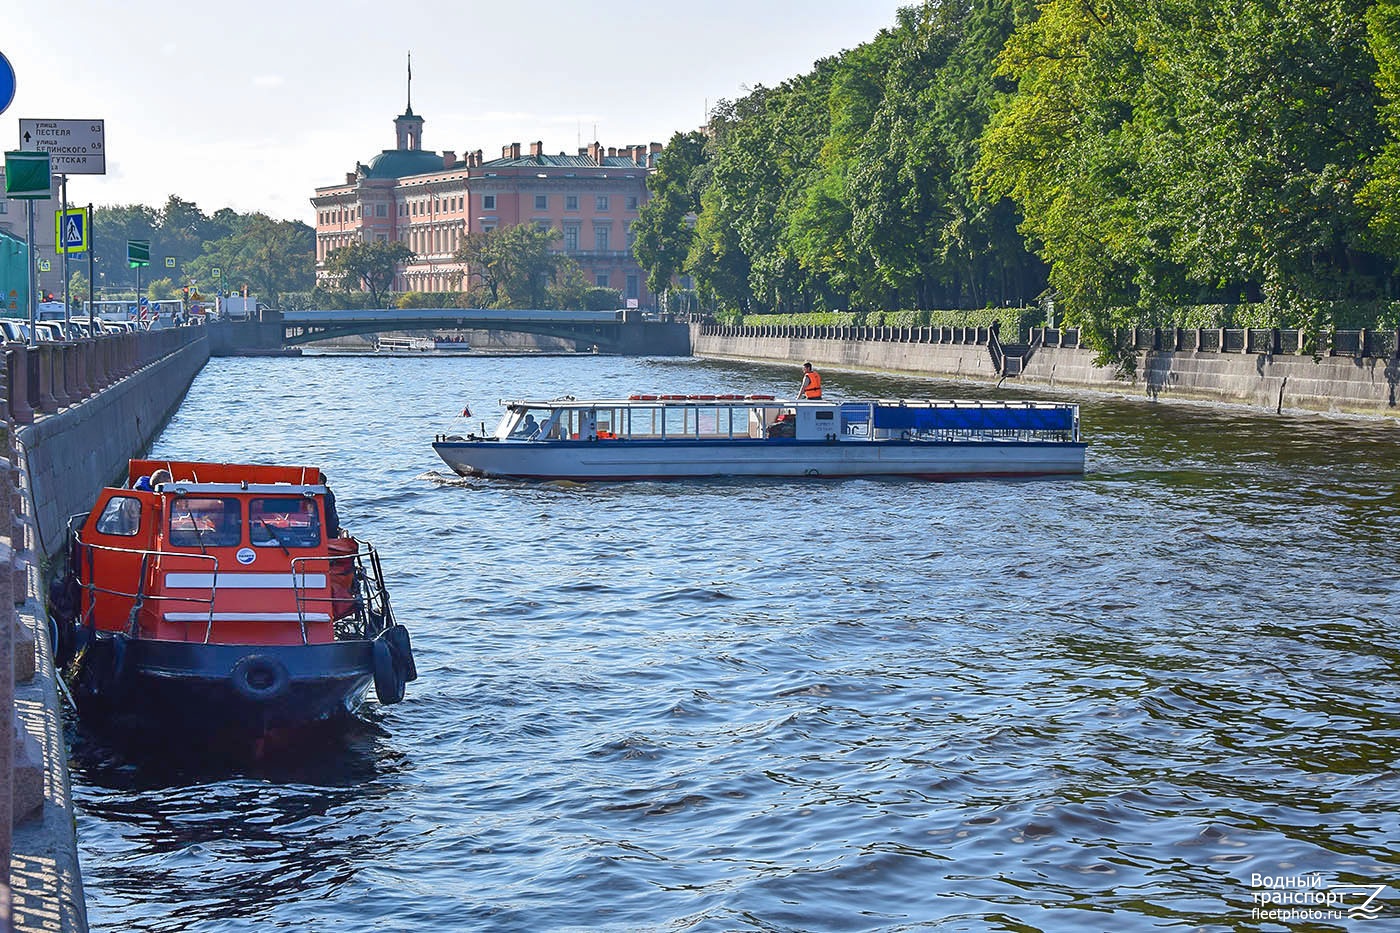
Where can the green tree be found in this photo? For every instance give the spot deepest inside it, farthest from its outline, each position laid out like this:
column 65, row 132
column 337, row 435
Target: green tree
column 664, row 228
column 513, row 266
column 368, row 266
column 271, row 257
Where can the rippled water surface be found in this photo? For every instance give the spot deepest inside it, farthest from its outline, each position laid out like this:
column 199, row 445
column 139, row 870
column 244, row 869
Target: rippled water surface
column 1098, row 704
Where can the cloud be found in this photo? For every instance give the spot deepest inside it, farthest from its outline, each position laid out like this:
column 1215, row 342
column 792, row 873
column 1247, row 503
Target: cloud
column 269, row 81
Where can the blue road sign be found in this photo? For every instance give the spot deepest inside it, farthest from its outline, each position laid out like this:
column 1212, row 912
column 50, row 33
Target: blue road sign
column 7, row 83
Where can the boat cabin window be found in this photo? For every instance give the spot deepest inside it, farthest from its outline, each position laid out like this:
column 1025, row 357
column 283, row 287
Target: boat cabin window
column 121, row 516
column 205, row 522
column 284, row 521
column 527, row 423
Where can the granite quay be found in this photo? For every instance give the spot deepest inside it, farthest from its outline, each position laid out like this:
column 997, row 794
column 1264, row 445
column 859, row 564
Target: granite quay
column 1351, row 372
column 74, row 413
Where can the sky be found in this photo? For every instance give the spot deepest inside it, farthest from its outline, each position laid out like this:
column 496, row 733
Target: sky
column 254, row 105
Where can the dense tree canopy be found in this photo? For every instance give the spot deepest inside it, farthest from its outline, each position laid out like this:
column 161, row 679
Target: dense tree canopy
column 1144, row 158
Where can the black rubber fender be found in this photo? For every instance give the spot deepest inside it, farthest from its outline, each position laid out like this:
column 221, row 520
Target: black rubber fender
column 402, row 646
column 388, row 680
column 260, row 678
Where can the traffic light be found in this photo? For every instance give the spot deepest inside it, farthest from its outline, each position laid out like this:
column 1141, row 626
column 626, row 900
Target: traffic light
column 187, row 293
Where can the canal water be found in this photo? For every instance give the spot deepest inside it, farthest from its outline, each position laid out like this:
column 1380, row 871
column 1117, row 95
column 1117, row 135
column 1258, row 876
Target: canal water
column 1160, row 697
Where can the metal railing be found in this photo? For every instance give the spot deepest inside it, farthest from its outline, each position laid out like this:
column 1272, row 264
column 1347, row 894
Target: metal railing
column 1371, row 343
column 43, row 378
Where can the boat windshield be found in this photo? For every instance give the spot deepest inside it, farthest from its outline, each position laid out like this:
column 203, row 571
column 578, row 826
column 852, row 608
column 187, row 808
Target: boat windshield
column 284, row 521
column 205, row 522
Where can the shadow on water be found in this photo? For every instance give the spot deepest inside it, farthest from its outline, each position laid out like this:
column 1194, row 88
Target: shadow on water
column 119, row 757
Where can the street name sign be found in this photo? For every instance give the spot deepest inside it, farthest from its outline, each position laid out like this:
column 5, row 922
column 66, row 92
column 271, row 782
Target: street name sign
column 138, row 253
column 71, row 230
column 78, row 147
column 27, row 175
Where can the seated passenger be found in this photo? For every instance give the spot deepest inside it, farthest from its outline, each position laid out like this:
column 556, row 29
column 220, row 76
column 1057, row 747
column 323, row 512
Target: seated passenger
column 527, row 428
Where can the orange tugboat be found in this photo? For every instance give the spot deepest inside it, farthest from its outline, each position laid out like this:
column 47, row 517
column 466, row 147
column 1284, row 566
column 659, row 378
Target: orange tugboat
column 224, row 597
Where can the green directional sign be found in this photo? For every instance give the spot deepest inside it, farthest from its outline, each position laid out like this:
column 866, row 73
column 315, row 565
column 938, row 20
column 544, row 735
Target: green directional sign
column 27, row 175
column 138, row 253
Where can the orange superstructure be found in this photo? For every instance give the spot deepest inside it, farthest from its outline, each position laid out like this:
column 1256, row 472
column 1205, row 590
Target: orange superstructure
column 236, row 582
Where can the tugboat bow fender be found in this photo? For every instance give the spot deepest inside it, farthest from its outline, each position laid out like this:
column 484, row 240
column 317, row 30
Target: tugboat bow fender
column 260, row 678
column 388, row 675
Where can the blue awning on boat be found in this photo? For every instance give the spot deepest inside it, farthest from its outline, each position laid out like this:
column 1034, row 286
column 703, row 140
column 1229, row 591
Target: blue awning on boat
column 900, row 418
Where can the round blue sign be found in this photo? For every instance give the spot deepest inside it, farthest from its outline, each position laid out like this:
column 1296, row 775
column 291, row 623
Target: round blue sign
column 7, row 83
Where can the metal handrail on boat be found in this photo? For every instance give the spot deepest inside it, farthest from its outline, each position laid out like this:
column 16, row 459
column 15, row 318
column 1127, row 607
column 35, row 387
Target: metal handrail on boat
column 139, row 597
column 371, row 612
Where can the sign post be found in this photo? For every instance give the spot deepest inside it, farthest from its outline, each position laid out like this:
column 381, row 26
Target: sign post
column 75, row 147
column 27, row 178
column 138, row 256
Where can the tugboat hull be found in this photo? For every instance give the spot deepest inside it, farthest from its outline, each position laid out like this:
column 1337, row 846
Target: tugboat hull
column 237, row 691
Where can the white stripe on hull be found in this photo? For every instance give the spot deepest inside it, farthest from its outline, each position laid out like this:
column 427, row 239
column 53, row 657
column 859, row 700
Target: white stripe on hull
column 621, row 460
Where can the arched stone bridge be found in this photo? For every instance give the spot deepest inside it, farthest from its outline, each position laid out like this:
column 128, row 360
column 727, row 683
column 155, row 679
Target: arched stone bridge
column 610, row 331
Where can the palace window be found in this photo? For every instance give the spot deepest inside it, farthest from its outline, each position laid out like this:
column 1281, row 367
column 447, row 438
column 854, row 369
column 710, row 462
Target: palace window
column 488, row 202
column 541, row 202
column 602, row 202
column 570, row 202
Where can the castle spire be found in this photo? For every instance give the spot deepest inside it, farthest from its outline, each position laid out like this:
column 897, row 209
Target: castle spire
column 410, row 83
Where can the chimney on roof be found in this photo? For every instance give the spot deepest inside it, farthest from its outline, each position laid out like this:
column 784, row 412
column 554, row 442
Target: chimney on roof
column 449, row 158
column 655, row 148
column 475, row 159
column 537, row 149
column 350, row 178
column 595, row 152
column 510, row 152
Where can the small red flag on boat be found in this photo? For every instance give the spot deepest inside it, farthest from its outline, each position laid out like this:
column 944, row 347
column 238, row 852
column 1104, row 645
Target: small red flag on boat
column 466, row 412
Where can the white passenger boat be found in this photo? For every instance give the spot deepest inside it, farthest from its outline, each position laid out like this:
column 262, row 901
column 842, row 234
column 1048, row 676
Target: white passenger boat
column 679, row 436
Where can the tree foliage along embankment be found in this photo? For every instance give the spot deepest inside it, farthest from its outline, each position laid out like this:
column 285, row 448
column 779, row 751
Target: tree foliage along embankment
column 1151, row 163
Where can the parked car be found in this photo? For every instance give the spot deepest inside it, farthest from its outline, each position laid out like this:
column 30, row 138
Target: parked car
column 49, row 331
column 14, row 330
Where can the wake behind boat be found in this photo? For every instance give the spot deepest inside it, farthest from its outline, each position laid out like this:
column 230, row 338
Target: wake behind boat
column 689, row 436
column 225, row 600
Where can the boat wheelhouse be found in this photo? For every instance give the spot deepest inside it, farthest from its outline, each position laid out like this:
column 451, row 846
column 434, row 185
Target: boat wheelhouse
column 227, row 598
column 679, row 436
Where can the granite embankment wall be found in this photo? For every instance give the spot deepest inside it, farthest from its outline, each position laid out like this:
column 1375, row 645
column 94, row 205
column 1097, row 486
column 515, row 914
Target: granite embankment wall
column 1274, row 381
column 95, row 404
column 72, row 453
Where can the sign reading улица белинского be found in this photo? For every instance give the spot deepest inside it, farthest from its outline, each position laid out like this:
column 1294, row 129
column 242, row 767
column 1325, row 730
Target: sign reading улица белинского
column 77, row 147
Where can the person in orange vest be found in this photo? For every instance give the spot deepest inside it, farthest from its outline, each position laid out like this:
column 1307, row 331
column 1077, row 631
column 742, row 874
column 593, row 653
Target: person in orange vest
column 811, row 382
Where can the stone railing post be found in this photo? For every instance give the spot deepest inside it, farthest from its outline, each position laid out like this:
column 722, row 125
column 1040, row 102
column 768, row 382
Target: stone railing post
column 61, row 365
column 17, row 375
column 44, row 396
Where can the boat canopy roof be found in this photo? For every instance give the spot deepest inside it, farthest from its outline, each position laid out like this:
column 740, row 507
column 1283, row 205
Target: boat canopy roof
column 193, row 474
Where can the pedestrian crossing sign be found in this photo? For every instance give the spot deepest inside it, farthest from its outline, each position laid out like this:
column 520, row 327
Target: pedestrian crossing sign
column 71, row 231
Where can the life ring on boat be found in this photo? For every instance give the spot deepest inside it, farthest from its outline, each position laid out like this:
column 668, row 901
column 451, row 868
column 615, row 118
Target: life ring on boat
column 729, row 398
column 760, row 398
column 644, row 398
column 388, row 684
column 402, row 645
column 259, row 678
column 672, row 398
column 702, row 398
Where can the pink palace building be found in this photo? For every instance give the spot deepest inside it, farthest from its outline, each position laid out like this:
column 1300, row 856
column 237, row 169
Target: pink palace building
column 429, row 201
